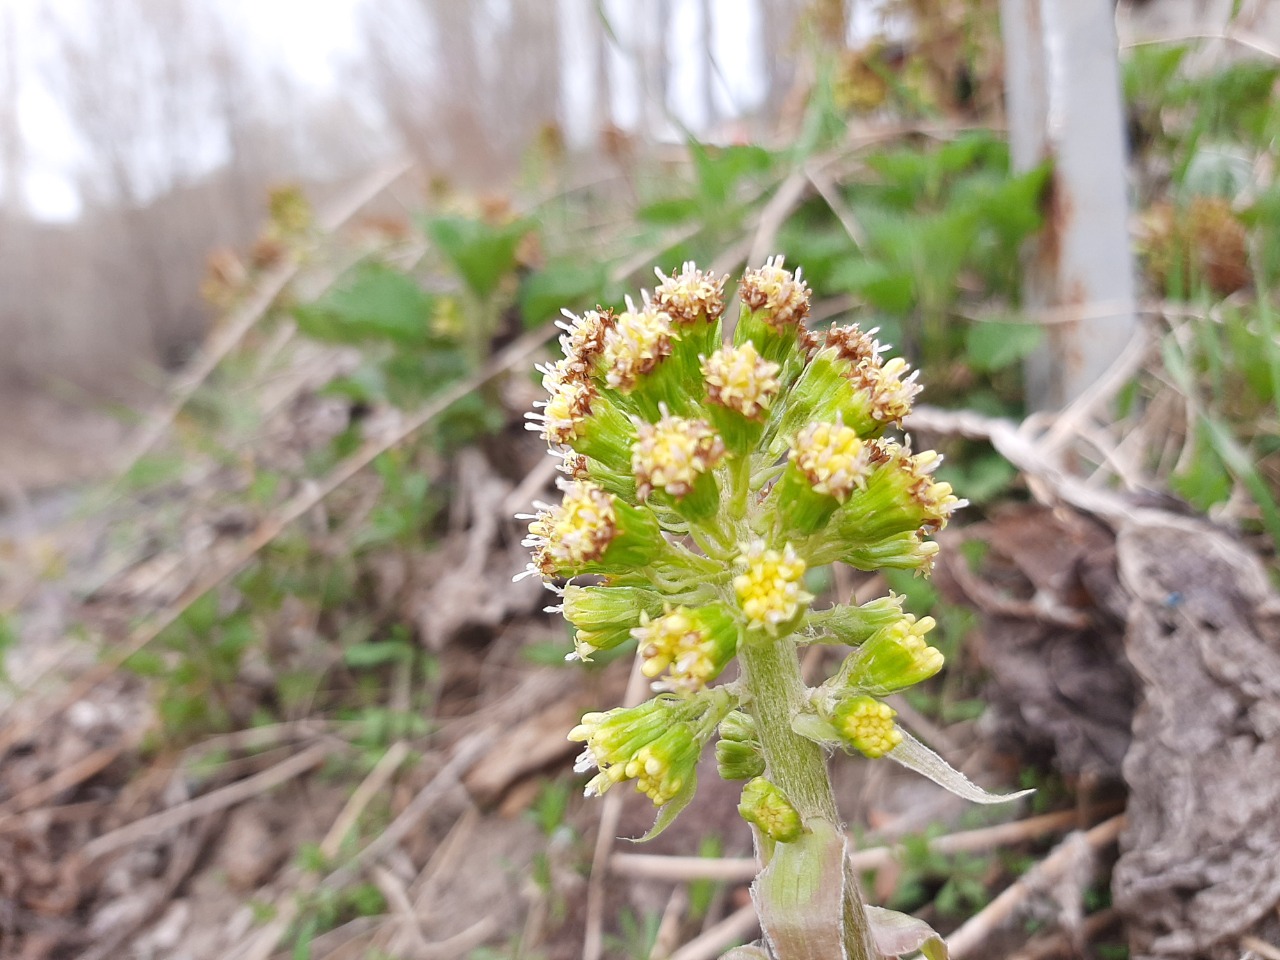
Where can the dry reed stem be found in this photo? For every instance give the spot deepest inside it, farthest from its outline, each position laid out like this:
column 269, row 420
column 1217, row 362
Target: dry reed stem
column 734, row 928
column 210, row 803
column 965, row 941
column 740, row 869
column 372, row 784
column 1059, row 944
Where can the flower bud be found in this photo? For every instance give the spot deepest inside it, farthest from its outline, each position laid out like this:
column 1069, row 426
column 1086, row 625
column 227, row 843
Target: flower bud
column 583, row 339
column 663, row 767
column 695, row 302
column 605, row 616
column 866, row 724
column 854, row 625
column 768, row 808
column 847, row 379
column 738, row 755
column 894, row 658
column 614, row 737
column 738, row 760
column 827, row 462
column 578, row 415
column 738, row 726
column 900, row 496
column 904, row 551
column 769, row 589
column 690, row 646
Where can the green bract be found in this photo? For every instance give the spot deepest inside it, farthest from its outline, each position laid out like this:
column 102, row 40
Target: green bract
column 703, row 480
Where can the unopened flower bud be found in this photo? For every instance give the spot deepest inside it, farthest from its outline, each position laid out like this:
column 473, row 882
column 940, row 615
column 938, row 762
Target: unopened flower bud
column 866, row 724
column 854, row 625
column 774, row 304
column 736, row 760
column 604, row 616
column 768, row 808
column 894, row 658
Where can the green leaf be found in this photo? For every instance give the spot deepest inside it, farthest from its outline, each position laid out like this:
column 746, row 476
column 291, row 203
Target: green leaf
column 994, row 345
column 373, row 302
column 914, row 755
column 482, row 253
column 721, row 169
column 1205, row 481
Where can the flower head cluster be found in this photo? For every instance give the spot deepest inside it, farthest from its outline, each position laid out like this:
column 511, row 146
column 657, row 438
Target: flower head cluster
column 634, row 345
column 576, row 531
column 703, row 480
column 672, row 454
column 690, row 295
column 833, row 458
column 777, row 293
column 769, row 589
column 737, row 378
column 690, row 646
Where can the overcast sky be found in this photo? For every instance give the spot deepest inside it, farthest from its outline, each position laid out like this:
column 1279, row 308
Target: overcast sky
column 311, row 39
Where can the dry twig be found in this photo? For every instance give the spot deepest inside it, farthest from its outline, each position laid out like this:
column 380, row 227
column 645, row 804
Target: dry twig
column 965, row 941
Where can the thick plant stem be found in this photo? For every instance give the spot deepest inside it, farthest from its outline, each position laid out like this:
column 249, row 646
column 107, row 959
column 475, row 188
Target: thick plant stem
column 796, row 765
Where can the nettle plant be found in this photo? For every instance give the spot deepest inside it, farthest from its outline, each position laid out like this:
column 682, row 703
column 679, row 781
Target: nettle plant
column 702, row 481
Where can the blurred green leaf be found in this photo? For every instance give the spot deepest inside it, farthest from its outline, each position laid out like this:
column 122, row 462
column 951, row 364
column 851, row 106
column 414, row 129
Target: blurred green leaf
column 561, row 284
column 374, row 301
column 670, row 211
column 377, row 653
column 721, row 170
column 994, row 345
column 481, row 252
column 883, row 287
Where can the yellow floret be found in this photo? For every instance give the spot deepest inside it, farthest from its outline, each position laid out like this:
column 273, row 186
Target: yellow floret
column 637, row 342
column 576, row 531
column 833, row 457
column 891, row 389
column 769, row 591
column 568, row 403
column 739, row 379
column 783, row 296
column 690, row 294
column 867, row 724
column 672, row 453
